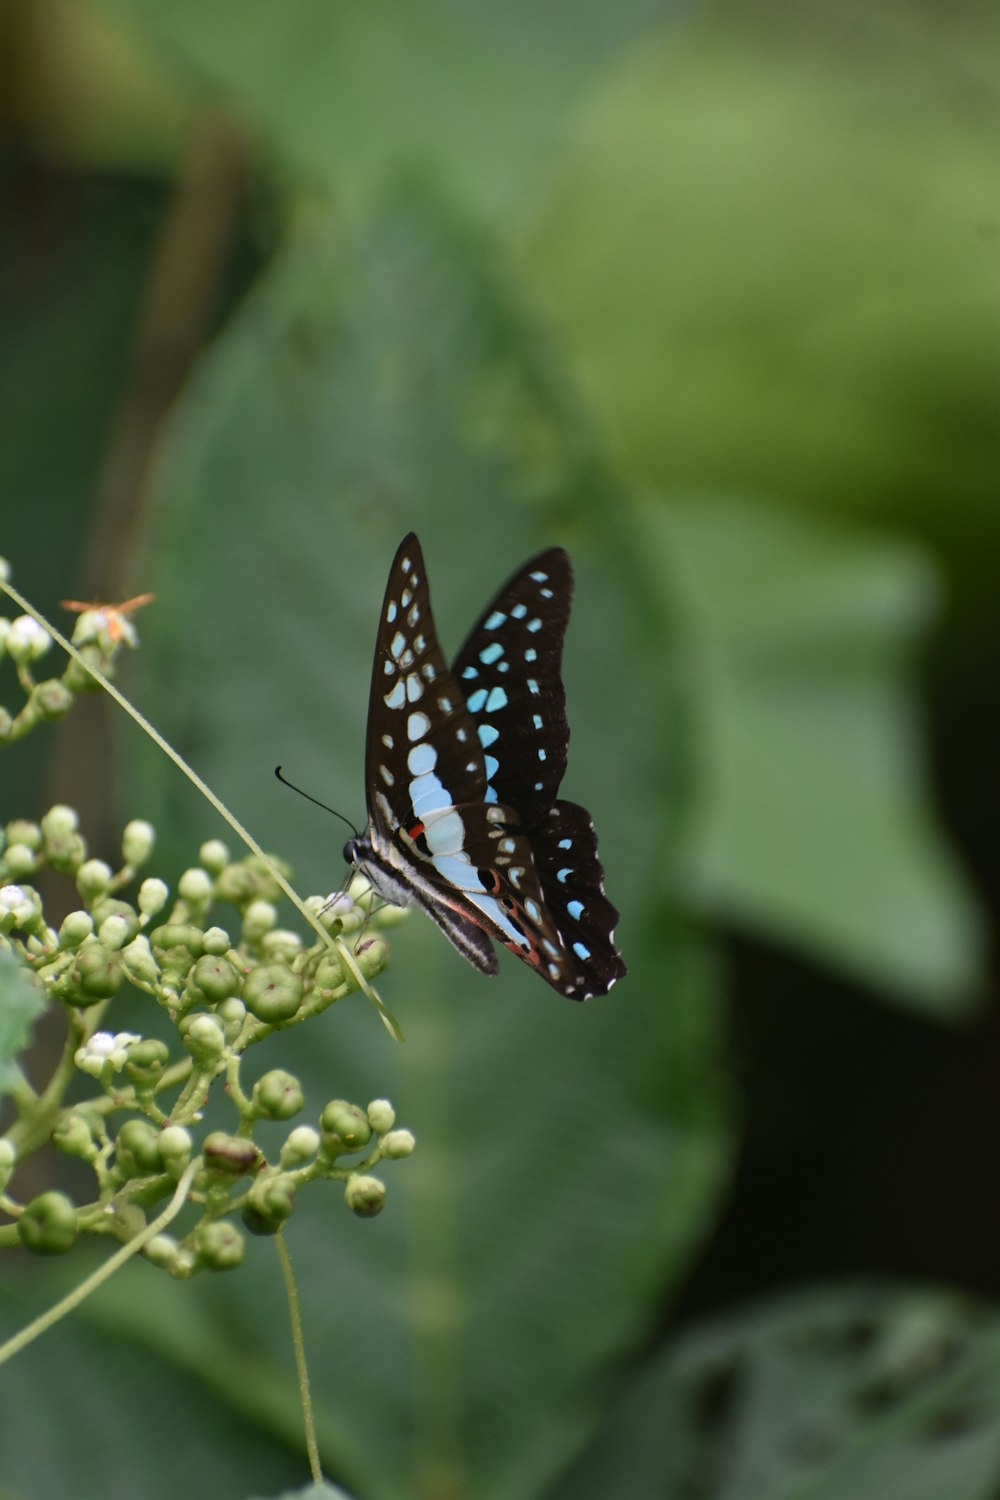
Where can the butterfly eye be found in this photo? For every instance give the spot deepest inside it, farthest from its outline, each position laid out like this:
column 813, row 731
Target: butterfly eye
column 349, row 852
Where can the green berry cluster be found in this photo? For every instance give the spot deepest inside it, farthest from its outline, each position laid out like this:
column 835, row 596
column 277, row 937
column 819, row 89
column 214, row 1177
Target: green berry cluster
column 224, row 989
column 99, row 634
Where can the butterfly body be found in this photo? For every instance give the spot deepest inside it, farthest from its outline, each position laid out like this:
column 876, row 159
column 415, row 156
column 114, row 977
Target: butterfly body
column 462, row 771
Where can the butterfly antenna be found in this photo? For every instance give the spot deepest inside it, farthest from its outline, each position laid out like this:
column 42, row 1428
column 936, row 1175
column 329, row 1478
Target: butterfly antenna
column 285, row 782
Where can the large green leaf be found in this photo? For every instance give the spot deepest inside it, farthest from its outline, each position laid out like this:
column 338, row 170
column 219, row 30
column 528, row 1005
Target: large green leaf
column 814, row 821
column 351, row 96
column 861, row 1392
column 568, row 1157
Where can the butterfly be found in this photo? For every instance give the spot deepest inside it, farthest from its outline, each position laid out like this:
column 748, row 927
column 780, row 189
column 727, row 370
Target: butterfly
column 462, row 771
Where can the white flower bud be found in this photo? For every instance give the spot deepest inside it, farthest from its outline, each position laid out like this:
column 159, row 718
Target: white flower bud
column 195, row 887
column 26, row 640
column 214, row 855
column 138, row 839
column 152, row 897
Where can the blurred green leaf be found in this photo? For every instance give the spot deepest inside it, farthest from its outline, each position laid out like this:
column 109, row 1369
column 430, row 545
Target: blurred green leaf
column 814, row 823
column 21, row 1001
column 568, row 1158
column 354, row 97
column 848, row 1393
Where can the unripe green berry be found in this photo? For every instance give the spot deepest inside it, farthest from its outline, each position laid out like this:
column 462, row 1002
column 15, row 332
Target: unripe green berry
column 195, row 887
column 230, row 1154
column 8, row 1161
column 93, row 878
column 280, row 944
column 59, row 821
column 96, row 974
column 300, row 1147
column 396, row 1144
column 21, row 831
column 234, row 884
column 19, row 860
column 65, row 852
column 138, row 839
column 232, row 1013
column 364, row 1196
column 259, row 918
column 152, row 897
column 381, row 1116
column 345, row 1128
column 272, row 993
column 204, row 1037
column 214, row 855
column 145, row 1062
column 278, row 1095
column 329, row 976
column 137, row 1149
column 48, row 1224
column 271, row 1203
column 77, row 926
column 219, row 1246
column 51, row 699
column 216, row 978
column 72, row 1135
column 215, row 941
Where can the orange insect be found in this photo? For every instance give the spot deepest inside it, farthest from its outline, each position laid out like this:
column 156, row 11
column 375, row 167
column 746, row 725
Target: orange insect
column 114, row 614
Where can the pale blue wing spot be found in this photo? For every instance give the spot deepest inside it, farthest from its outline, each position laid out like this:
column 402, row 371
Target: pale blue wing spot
column 397, row 697
column 539, row 577
column 405, row 598
column 492, row 767
column 487, row 735
column 470, row 671
column 490, row 907
column 536, row 719
column 495, row 620
column 581, row 950
column 538, row 786
column 497, row 699
column 406, row 565
column 444, row 704
column 388, row 667
column 532, row 685
column 397, row 643
column 492, row 652
column 563, row 875
column 575, row 909
column 445, row 836
column 428, row 795
column 565, row 844
column 534, row 626
column 541, row 755
column 391, row 612
column 519, row 611
column 533, row 910
column 414, row 688
column 531, row 654
column 417, row 726
column 490, row 794
column 503, row 666
column 421, row 759
column 476, row 700
column 429, row 671
column 545, row 593
column 387, row 776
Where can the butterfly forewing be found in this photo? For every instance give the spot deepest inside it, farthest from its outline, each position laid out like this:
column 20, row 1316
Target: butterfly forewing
column 509, row 670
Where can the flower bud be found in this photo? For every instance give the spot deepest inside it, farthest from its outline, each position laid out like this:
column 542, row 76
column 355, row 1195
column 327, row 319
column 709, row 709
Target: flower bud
column 219, row 1245
column 215, row 941
column 329, row 976
column 162, row 1250
column 258, row 919
column 396, row 1144
column 108, row 906
column 93, row 878
column 175, row 1149
column 300, row 1147
column 51, row 699
column 114, row 931
column 21, row 831
column 26, row 641
column 59, row 821
column 214, row 855
column 138, row 839
column 152, row 897
column 232, row 1013
column 216, row 978
column 280, row 945
column 96, row 974
column 230, row 1154
column 72, row 1135
column 204, row 1037
column 77, row 926
column 182, row 938
column 381, row 1116
column 364, row 1196
column 140, row 965
column 278, row 1095
column 195, row 887
column 234, row 884
column 271, row 1202
column 65, row 852
column 372, row 955
column 345, row 1128
column 19, row 860
column 8, row 1161
column 272, row 993
column 145, row 1061
column 48, row 1224
column 137, row 1148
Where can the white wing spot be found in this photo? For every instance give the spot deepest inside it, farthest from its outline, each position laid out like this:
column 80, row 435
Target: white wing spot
column 397, row 697
column 390, row 613
column 417, row 726
column 414, row 688
column 387, row 776
column 388, row 741
column 421, row 759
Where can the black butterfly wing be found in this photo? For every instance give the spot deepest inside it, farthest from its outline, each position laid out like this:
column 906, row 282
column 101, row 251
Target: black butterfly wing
column 510, row 672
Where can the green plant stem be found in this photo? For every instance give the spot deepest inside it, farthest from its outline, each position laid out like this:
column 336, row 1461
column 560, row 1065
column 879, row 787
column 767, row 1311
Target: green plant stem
column 35, row 1125
column 298, row 1344
column 90, row 1284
